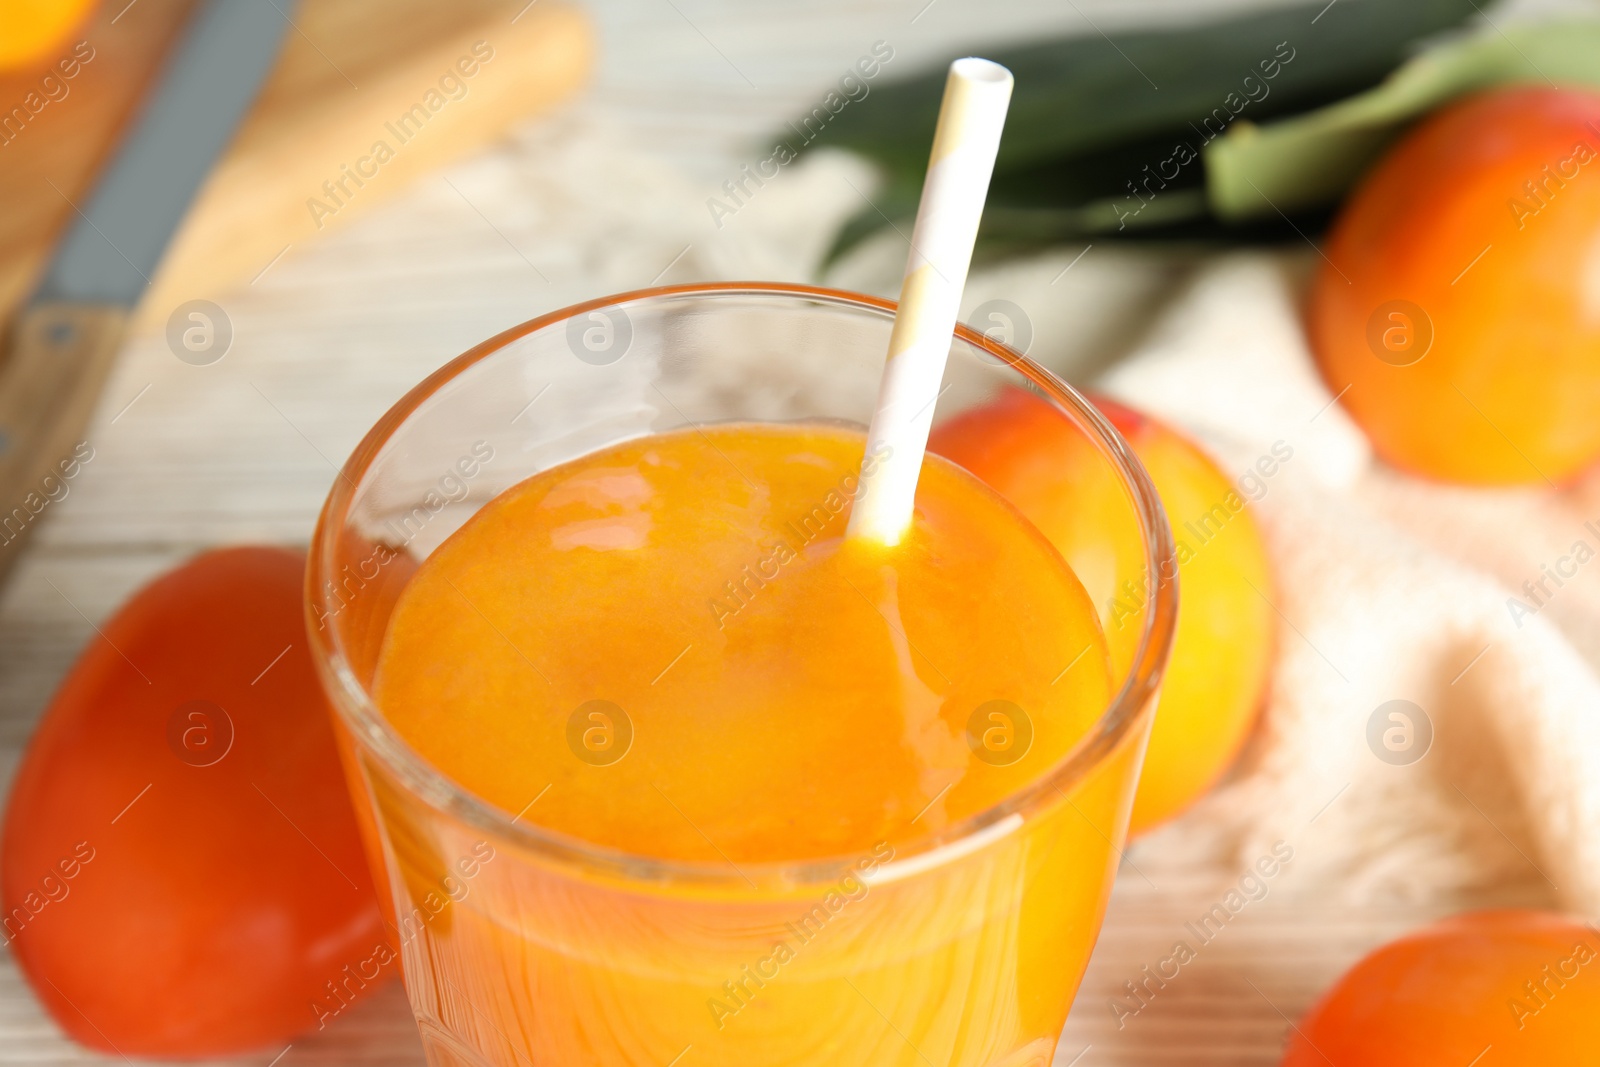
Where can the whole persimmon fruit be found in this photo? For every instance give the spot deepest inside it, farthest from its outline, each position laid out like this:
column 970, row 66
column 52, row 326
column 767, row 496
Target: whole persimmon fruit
column 1222, row 647
column 1512, row 988
column 181, row 872
column 1457, row 310
column 31, row 29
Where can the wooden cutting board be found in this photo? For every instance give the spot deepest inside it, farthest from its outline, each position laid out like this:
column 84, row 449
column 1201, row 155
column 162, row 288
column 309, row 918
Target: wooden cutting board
column 367, row 95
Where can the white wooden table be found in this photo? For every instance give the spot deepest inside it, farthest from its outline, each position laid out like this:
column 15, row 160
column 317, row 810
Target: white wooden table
column 608, row 196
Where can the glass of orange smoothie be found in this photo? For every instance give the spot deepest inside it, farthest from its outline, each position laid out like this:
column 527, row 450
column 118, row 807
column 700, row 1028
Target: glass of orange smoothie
column 657, row 766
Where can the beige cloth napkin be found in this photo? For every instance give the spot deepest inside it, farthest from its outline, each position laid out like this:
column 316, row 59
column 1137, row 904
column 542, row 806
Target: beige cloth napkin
column 1389, row 588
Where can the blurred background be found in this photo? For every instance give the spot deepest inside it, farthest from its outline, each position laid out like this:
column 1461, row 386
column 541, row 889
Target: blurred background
column 598, row 148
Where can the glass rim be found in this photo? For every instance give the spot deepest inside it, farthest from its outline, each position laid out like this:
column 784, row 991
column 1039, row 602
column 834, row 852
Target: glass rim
column 371, row 730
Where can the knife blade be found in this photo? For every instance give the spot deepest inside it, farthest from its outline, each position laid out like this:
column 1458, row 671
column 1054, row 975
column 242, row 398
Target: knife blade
column 63, row 342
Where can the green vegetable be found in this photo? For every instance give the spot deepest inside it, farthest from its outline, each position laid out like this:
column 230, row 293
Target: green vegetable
column 1309, row 161
column 1093, row 117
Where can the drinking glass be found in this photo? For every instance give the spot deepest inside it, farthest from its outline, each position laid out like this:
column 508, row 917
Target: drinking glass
column 521, row 945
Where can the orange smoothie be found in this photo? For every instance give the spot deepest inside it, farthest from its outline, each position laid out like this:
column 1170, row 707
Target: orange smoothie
column 669, row 649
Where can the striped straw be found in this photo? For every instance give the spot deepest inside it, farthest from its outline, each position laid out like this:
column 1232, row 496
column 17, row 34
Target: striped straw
column 976, row 96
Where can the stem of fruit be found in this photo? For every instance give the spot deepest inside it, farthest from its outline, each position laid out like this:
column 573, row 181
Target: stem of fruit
column 976, row 96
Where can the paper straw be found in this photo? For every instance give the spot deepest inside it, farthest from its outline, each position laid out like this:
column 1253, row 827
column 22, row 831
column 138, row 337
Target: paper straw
column 976, row 96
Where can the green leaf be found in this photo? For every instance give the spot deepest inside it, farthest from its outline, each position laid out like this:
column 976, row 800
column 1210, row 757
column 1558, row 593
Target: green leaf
column 1309, row 161
column 1092, row 115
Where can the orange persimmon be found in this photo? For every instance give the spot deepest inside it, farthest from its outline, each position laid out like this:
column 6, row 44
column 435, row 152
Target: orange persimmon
column 31, row 29
column 1509, row 987
column 1222, row 648
column 181, row 872
column 1457, row 309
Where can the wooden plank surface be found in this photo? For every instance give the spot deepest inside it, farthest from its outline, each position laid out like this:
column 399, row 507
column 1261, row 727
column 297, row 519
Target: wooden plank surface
column 609, row 195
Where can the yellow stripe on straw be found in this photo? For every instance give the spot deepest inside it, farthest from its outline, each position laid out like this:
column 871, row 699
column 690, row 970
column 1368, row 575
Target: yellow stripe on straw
column 976, row 95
